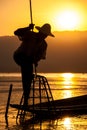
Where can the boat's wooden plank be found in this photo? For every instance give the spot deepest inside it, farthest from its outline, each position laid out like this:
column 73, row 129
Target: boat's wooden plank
column 29, row 108
column 45, row 113
column 68, row 101
column 69, row 105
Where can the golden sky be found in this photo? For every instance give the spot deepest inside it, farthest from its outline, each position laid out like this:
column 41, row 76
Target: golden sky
column 61, row 14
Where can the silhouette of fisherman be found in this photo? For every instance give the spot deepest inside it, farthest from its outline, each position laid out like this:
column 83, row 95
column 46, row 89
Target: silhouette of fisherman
column 32, row 49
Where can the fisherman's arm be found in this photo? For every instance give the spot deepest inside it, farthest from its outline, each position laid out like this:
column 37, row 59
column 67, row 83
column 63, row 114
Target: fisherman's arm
column 22, row 31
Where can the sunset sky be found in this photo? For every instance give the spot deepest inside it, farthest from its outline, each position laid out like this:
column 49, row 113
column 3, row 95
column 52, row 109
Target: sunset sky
column 61, row 14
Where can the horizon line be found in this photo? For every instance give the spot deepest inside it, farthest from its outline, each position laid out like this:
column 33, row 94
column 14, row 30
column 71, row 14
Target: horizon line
column 52, row 31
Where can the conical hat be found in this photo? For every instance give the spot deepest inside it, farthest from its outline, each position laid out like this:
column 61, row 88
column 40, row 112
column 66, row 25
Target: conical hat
column 46, row 29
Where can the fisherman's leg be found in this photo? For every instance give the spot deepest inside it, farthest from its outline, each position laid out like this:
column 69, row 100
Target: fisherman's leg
column 27, row 75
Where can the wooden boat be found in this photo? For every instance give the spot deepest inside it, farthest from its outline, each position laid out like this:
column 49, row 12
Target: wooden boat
column 68, row 106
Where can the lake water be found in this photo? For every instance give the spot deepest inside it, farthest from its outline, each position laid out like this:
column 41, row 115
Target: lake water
column 63, row 85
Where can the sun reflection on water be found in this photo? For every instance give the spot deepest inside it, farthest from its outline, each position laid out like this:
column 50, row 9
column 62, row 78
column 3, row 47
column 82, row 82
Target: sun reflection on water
column 67, row 123
column 67, row 93
column 68, row 79
column 67, row 82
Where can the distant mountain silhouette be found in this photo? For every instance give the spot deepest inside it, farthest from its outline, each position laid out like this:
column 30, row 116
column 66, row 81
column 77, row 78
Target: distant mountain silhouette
column 67, row 52
column 7, row 46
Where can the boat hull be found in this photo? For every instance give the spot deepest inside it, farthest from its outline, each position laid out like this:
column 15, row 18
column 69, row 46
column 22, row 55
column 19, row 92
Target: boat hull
column 69, row 106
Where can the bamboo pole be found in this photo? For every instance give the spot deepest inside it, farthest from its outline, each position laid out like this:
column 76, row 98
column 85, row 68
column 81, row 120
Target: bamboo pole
column 8, row 101
column 31, row 11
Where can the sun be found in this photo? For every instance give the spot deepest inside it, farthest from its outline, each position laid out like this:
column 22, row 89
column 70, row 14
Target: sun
column 68, row 20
